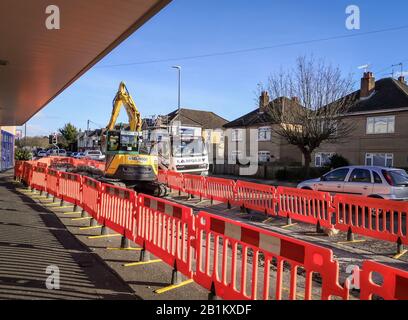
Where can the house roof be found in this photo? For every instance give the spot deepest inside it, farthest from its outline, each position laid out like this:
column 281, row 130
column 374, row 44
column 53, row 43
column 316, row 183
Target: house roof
column 257, row 117
column 197, row 118
column 389, row 94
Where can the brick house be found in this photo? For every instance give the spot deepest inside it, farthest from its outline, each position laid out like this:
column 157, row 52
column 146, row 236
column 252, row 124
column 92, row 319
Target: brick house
column 272, row 148
column 379, row 112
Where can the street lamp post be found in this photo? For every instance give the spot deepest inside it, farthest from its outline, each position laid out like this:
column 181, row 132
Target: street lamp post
column 179, row 85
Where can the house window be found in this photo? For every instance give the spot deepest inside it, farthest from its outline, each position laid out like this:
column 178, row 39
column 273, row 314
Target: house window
column 381, row 125
column 264, row 156
column 264, row 134
column 237, row 135
column 322, row 159
column 380, row 159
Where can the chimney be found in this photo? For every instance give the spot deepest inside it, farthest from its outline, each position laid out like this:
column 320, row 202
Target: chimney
column 402, row 79
column 367, row 85
column 263, row 101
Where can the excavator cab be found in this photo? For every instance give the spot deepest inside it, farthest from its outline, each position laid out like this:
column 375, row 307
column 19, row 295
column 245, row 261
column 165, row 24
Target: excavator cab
column 128, row 159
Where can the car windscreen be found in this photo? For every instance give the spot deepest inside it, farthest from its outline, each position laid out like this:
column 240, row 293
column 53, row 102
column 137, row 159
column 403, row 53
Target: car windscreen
column 399, row 177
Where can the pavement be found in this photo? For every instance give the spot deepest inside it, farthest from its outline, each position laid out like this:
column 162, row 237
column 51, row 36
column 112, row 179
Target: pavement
column 35, row 235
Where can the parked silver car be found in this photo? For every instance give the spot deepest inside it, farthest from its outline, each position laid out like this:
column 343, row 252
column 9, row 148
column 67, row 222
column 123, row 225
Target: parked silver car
column 373, row 182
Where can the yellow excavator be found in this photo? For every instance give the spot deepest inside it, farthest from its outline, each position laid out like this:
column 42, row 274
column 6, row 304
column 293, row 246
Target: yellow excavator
column 128, row 159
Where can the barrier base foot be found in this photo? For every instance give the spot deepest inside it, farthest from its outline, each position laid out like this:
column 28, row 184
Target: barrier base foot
column 84, row 214
column 125, row 243
column 144, row 256
column 93, row 223
column 104, row 231
column 175, row 277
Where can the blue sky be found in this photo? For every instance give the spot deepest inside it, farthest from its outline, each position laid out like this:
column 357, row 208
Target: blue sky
column 226, row 84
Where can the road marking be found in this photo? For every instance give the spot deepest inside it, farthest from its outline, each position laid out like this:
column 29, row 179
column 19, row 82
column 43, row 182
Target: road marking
column 64, row 207
column 89, row 228
column 267, row 220
column 140, row 263
column 80, row 219
column 398, row 256
column 289, row 225
column 125, row 249
column 105, row 236
column 173, row 286
column 354, row 241
column 67, row 213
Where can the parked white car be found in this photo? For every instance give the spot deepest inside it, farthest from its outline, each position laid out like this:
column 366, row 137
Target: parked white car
column 372, row 182
column 94, row 155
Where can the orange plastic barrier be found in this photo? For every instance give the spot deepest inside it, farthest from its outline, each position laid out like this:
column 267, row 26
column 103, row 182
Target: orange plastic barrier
column 394, row 284
column 53, row 182
column 305, row 205
column 39, row 178
column 255, row 251
column 162, row 176
column 377, row 218
column 166, row 230
column 18, row 169
column 91, row 190
column 70, row 187
column 220, row 189
column 255, row 196
column 27, row 172
column 195, row 185
column 117, row 209
column 175, row 180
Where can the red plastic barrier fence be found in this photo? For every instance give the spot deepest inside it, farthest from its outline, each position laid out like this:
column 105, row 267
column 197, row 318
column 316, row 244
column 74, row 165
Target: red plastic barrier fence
column 175, row 180
column 70, row 187
column 220, row 189
column 377, row 218
column 394, row 284
column 166, row 230
column 195, row 185
column 235, row 260
column 18, row 169
column 91, row 196
column 255, row 196
column 305, row 205
column 27, row 172
column 117, row 209
column 53, row 182
column 39, row 178
column 162, row 176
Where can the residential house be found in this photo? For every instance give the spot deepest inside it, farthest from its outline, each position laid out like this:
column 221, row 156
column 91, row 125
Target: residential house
column 379, row 113
column 192, row 122
column 89, row 140
column 272, row 148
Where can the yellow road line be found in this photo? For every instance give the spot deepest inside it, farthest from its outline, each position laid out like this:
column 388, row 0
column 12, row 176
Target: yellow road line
column 67, row 213
column 398, row 256
column 80, row 219
column 124, row 249
column 89, row 228
column 140, row 263
column 267, row 220
column 105, row 236
column 289, row 225
column 354, row 241
column 173, row 286
column 64, row 207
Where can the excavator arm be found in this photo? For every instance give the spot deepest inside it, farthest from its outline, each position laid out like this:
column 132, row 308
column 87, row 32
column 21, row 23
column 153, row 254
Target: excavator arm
column 123, row 98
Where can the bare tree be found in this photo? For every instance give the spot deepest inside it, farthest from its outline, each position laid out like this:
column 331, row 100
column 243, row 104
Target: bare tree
column 314, row 113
